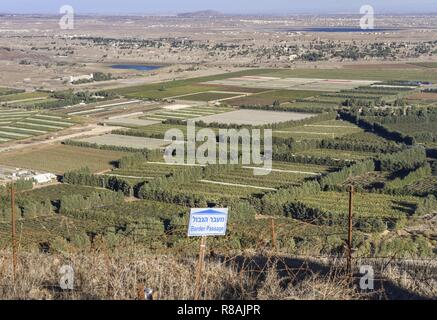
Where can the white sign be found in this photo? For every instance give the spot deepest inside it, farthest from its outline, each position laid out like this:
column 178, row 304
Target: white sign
column 208, row 222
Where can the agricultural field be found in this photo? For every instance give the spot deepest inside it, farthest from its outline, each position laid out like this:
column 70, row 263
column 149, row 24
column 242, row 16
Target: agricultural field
column 424, row 186
column 321, row 130
column 185, row 112
column 370, row 74
column 131, row 122
column 102, row 108
column 276, row 80
column 17, row 124
column 366, row 204
column 240, row 181
column 22, row 97
column 55, row 193
column 318, row 131
column 61, row 158
column 245, row 177
column 353, row 115
column 270, row 96
column 180, row 87
column 431, row 65
column 8, row 91
column 423, row 97
column 309, row 106
column 416, row 129
column 363, row 136
column 215, row 191
column 126, row 141
column 337, row 154
column 254, row 117
column 146, row 171
column 210, row 96
column 53, row 227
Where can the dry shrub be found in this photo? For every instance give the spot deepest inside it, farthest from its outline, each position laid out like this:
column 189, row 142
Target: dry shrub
column 117, row 275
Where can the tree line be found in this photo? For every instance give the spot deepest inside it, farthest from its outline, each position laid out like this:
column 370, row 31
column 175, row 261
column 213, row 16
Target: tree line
column 377, row 128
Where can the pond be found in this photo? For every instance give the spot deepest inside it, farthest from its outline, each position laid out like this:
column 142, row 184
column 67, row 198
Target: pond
column 138, row 67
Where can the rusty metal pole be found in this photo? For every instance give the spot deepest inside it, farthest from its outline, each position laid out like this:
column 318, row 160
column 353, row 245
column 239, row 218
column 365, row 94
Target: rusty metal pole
column 273, row 235
column 200, row 264
column 13, row 238
column 349, row 233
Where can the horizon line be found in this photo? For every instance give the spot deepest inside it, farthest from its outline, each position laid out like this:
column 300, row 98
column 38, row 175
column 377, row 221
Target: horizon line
column 274, row 14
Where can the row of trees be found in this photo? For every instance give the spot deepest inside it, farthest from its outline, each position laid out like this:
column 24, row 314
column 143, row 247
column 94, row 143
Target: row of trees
column 418, row 174
column 284, row 154
column 86, row 178
column 360, row 146
column 405, row 160
column 300, row 211
column 19, row 185
column 377, row 128
column 293, row 108
column 331, row 181
column 286, row 124
column 25, row 208
column 146, row 152
column 69, row 98
column 414, row 115
column 76, row 202
column 427, row 206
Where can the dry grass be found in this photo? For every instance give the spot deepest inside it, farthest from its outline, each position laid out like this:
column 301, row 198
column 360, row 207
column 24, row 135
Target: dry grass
column 99, row 274
column 117, row 276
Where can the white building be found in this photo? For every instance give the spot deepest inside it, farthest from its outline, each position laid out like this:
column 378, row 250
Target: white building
column 83, row 77
column 44, row 178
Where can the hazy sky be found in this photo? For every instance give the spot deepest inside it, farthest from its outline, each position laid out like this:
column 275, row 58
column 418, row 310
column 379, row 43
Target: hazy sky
column 227, row 6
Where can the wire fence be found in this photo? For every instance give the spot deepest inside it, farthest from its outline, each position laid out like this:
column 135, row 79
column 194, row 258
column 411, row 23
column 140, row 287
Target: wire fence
column 108, row 266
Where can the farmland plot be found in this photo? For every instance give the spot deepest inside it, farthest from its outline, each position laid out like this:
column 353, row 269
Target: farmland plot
column 130, row 122
column 185, row 113
column 311, row 84
column 320, row 130
column 209, row 96
column 275, row 179
column 23, row 97
column 366, row 204
column 61, row 158
column 337, row 154
column 370, row 74
column 127, row 141
column 18, row 124
column 270, row 96
column 147, row 171
column 254, row 117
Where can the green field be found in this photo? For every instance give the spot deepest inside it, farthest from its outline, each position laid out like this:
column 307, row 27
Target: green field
column 365, row 204
column 180, row 87
column 185, row 113
column 416, row 129
column 61, row 158
column 56, row 192
column 337, row 154
column 16, row 124
column 321, row 130
column 23, row 96
column 362, row 136
column 270, row 96
column 379, row 74
column 275, row 179
column 208, row 96
column 147, row 201
column 9, row 91
column 425, row 64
